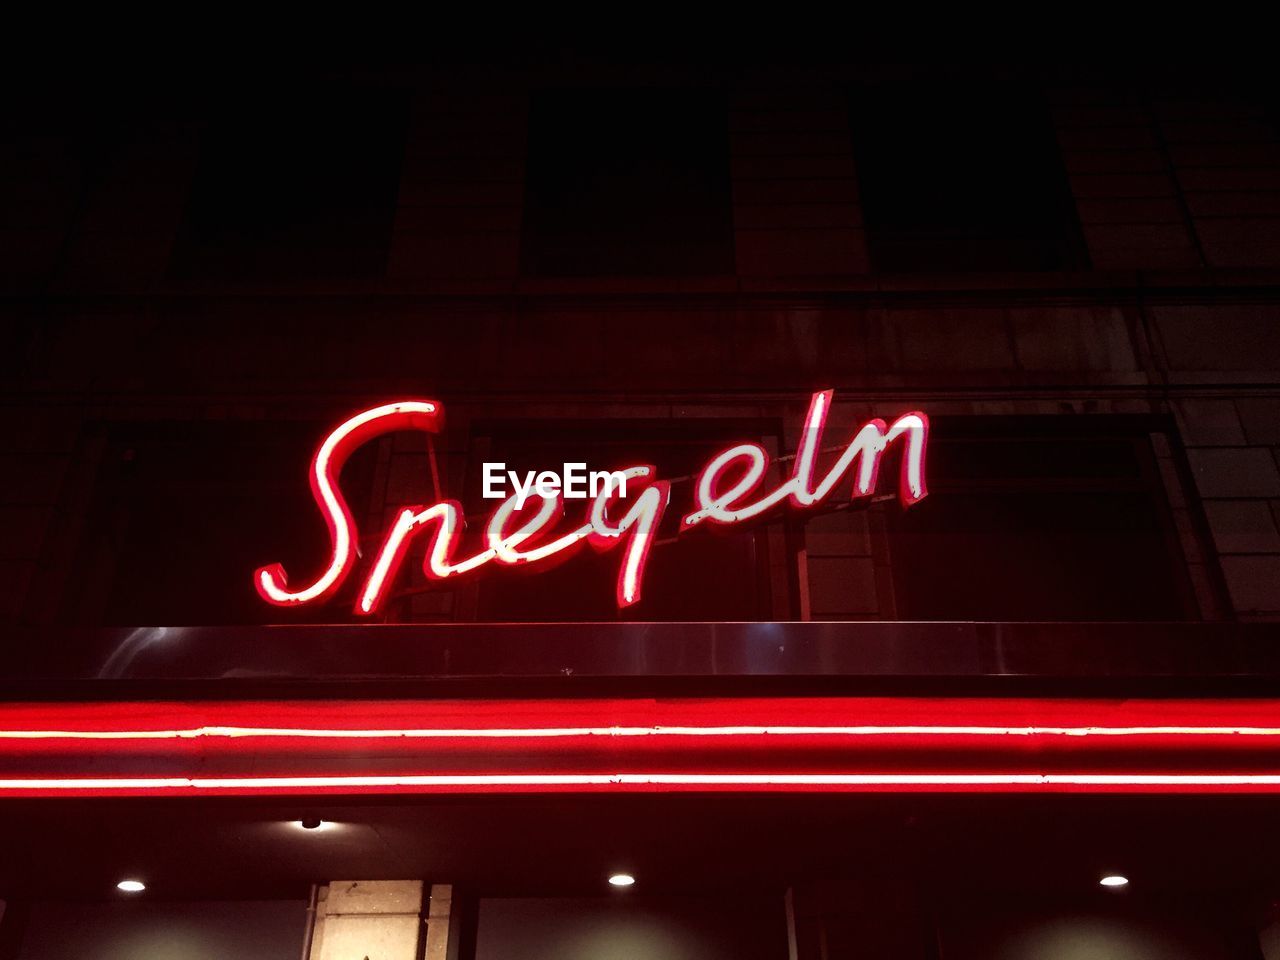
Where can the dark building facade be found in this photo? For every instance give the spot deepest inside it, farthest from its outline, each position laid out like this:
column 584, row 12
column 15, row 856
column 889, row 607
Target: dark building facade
column 887, row 724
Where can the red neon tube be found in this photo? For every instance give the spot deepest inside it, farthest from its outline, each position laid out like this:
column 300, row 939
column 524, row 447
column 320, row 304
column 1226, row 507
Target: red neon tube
column 629, row 745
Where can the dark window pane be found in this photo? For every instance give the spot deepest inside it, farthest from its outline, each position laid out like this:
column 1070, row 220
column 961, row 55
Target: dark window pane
column 958, row 173
column 185, row 512
column 745, row 927
column 299, row 183
column 628, row 182
column 179, row 930
column 1038, row 528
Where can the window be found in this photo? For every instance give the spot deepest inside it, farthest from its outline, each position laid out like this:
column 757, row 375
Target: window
column 296, row 184
column 1039, row 521
column 744, row 927
column 632, row 182
column 190, row 930
column 183, row 514
column 958, row 174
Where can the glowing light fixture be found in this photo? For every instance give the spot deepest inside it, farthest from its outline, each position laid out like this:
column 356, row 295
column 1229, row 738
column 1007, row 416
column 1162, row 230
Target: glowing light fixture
column 622, row 880
column 131, row 886
column 1114, row 880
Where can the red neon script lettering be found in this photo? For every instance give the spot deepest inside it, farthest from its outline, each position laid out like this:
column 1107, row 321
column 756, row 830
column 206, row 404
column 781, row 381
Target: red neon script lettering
column 523, row 534
column 271, row 581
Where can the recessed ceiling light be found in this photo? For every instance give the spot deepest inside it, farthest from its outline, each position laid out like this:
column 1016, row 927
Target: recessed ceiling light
column 1114, row 880
column 131, row 886
column 313, row 823
column 622, row 879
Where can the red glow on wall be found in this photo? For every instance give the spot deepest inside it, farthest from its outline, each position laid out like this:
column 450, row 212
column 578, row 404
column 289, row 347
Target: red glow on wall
column 725, row 493
column 636, row 745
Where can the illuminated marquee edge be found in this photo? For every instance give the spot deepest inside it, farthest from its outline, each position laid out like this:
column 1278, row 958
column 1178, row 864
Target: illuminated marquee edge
column 737, row 745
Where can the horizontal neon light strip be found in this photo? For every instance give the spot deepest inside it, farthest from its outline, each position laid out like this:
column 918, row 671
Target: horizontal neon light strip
column 660, row 731
column 809, row 744
column 745, row 780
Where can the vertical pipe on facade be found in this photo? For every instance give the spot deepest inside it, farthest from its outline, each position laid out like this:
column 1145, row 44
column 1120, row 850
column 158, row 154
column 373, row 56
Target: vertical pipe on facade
column 310, row 932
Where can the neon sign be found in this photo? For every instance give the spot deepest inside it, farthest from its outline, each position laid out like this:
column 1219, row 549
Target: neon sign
column 521, row 531
column 633, row 744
